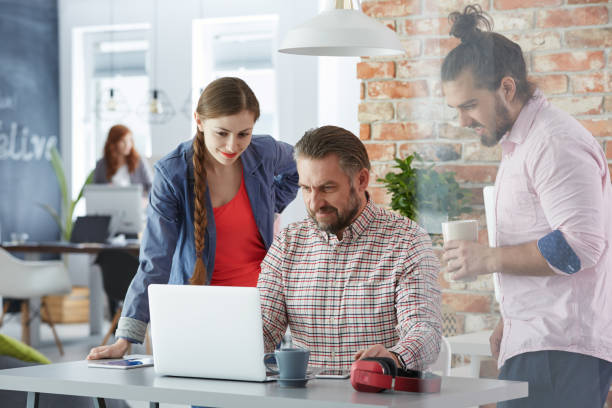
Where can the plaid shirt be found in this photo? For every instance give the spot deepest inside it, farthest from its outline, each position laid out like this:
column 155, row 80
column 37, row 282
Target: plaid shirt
column 378, row 285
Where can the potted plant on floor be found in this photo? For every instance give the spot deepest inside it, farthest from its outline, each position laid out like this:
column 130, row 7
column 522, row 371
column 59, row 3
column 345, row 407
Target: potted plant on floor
column 425, row 195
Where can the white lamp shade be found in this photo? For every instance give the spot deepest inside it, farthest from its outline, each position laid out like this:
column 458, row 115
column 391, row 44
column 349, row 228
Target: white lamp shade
column 342, row 33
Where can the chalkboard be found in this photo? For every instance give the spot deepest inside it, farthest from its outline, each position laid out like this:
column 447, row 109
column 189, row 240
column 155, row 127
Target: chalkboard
column 29, row 117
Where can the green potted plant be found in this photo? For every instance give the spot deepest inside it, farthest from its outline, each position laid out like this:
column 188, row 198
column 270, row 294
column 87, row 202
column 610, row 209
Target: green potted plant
column 64, row 220
column 424, row 194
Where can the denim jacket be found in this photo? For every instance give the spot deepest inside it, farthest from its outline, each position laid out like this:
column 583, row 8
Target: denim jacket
column 167, row 252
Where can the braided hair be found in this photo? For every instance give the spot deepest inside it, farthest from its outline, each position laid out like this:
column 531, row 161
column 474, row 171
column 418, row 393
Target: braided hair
column 223, row 97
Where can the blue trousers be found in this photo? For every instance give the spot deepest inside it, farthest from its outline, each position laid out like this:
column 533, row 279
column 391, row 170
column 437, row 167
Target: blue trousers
column 558, row 379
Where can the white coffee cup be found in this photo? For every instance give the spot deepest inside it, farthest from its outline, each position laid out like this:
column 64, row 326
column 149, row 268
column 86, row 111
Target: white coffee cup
column 462, row 230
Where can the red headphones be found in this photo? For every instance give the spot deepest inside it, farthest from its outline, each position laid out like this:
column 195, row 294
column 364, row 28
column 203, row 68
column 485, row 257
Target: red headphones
column 377, row 374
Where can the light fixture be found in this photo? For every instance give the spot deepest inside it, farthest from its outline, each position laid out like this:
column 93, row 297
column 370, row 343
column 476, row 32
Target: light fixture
column 342, row 32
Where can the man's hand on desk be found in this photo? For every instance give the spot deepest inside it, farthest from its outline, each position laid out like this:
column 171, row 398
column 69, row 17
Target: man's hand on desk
column 116, row 350
column 377, row 350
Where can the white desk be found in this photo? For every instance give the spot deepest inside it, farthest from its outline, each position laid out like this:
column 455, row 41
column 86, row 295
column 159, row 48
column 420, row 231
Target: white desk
column 75, row 378
column 476, row 345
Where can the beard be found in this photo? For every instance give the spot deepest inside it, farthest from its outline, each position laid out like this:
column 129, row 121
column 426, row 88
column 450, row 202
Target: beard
column 342, row 218
column 503, row 123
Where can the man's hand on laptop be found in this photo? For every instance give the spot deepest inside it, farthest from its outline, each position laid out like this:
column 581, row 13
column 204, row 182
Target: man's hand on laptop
column 377, row 350
column 116, row 350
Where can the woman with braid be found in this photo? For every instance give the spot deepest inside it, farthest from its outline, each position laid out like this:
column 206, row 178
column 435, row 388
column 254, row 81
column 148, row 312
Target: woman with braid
column 211, row 208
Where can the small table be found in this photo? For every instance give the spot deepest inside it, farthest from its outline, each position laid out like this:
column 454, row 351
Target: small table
column 476, row 345
column 75, row 378
column 33, row 251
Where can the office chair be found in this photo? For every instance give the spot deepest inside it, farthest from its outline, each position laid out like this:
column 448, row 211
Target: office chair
column 118, row 269
column 32, row 279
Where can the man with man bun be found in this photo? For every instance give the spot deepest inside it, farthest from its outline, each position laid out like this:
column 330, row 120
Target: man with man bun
column 552, row 258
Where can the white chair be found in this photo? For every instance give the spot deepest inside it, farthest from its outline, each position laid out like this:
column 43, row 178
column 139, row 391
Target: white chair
column 32, row 279
column 443, row 363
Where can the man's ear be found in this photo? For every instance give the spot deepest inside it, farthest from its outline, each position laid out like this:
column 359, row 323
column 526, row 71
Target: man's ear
column 363, row 179
column 508, row 88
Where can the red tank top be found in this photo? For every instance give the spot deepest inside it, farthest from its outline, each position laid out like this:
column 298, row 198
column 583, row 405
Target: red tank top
column 240, row 248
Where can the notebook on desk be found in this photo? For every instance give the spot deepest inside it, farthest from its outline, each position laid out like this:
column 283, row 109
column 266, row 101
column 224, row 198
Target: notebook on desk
column 207, row 332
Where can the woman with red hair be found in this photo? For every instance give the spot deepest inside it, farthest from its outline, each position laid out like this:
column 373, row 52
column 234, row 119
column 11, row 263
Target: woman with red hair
column 121, row 164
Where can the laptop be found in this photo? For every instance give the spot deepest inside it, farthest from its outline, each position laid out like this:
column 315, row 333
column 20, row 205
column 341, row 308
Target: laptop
column 207, row 332
column 91, row 229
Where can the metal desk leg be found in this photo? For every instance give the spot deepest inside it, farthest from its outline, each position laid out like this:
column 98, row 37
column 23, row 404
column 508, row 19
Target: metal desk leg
column 32, row 401
column 96, row 297
column 153, row 404
column 34, row 322
column 99, row 402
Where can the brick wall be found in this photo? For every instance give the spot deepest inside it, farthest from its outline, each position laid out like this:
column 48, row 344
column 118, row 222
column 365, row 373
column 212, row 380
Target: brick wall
column 567, row 48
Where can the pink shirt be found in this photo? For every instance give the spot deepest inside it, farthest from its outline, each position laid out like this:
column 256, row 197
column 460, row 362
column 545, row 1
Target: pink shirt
column 554, row 176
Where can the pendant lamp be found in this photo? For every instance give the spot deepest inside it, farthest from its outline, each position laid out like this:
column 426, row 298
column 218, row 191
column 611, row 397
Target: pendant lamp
column 342, row 32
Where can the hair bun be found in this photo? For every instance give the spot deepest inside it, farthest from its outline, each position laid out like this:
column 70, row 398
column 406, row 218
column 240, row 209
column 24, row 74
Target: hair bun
column 465, row 26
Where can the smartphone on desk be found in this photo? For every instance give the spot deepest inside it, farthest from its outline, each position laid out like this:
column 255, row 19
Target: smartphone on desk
column 122, row 363
column 333, row 374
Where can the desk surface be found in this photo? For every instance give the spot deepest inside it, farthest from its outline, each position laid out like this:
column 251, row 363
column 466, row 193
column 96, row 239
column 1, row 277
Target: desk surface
column 58, row 247
column 75, row 378
column 476, row 343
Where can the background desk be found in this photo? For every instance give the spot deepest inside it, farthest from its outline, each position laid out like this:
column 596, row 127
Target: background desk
column 33, row 251
column 476, row 345
column 75, row 378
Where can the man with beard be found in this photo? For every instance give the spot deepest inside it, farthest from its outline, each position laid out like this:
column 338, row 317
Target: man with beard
column 353, row 280
column 553, row 224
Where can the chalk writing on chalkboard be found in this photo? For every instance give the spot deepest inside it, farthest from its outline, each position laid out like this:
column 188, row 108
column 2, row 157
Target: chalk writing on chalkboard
column 21, row 145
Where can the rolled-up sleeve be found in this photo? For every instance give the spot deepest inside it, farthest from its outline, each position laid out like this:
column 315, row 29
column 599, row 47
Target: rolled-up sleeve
column 569, row 176
column 271, row 292
column 418, row 305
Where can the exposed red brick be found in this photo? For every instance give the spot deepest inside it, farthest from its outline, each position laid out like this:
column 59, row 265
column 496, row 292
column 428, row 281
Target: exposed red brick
column 427, row 26
column 551, row 84
column 465, row 302
column 412, row 47
column 594, row 82
column 391, row 8
column 448, row 131
column 373, row 111
column 537, row 40
column 367, row 70
column 588, row 105
column 514, row 4
column 472, row 173
column 397, row 89
column 424, row 109
column 380, row 151
column 476, row 152
column 586, row 1
column 419, row 68
column 390, row 24
column 380, row 195
column 552, row 18
column 362, row 91
column 402, row 131
column 432, row 151
column 380, row 170
column 446, row 6
column 592, row 37
column 609, row 149
column 569, row 61
column 513, row 20
column 440, row 46
column 598, row 127
column 608, row 103
column 364, row 131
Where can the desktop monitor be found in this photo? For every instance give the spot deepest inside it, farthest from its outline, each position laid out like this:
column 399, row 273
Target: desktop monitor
column 123, row 204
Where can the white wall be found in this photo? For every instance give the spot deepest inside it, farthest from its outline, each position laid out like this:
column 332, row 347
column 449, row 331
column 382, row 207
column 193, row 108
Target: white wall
column 300, row 95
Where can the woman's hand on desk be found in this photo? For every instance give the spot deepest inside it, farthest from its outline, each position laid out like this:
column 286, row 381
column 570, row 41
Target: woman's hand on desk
column 116, row 350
